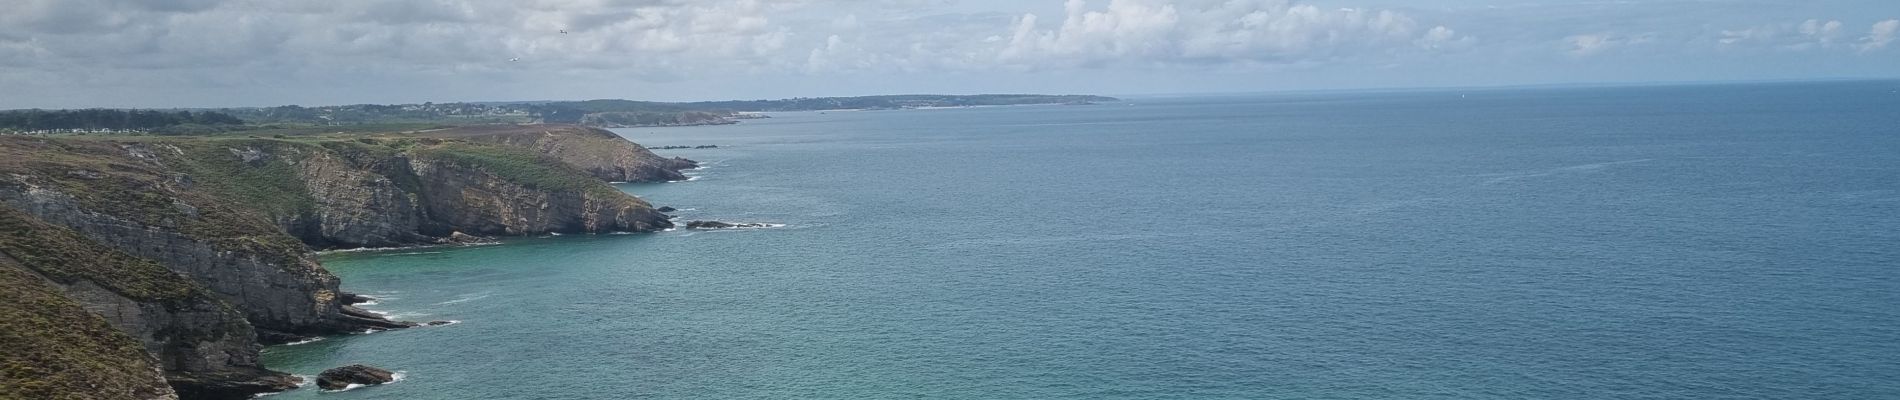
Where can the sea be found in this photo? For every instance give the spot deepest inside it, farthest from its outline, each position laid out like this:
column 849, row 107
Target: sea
column 1720, row 241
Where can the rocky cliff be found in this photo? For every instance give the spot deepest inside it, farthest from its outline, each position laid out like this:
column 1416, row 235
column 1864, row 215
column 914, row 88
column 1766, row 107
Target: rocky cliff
column 504, row 192
column 225, row 227
column 57, row 349
column 202, row 346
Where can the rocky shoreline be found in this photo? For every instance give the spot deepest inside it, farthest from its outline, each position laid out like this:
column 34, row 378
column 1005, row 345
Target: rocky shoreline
column 237, row 221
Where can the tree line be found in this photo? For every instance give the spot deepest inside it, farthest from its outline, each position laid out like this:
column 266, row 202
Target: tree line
column 109, row 119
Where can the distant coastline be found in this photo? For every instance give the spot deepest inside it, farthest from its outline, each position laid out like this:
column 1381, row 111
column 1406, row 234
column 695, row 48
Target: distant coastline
column 607, row 113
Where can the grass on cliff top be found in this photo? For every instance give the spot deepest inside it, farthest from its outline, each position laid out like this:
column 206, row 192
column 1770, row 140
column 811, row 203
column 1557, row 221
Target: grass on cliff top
column 270, row 184
column 520, row 166
column 199, row 192
column 54, row 349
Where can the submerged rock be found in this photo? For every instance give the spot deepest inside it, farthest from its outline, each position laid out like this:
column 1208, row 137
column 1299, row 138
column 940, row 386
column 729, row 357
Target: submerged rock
column 666, row 209
column 342, row 377
column 437, row 323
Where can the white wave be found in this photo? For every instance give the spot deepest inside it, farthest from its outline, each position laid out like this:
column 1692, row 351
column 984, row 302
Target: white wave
column 1507, row 177
column 377, row 249
column 302, row 381
column 465, row 299
column 1073, row 124
column 394, row 377
column 405, row 315
column 305, row 341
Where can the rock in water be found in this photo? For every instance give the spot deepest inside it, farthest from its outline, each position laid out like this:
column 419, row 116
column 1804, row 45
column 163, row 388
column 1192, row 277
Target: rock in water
column 666, row 209
column 707, row 225
column 463, row 238
column 723, row 225
column 342, row 377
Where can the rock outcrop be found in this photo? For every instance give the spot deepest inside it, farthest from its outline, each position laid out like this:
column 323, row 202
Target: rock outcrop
column 340, row 378
column 357, row 201
column 197, row 250
column 268, row 276
column 725, row 225
column 466, row 197
column 205, row 348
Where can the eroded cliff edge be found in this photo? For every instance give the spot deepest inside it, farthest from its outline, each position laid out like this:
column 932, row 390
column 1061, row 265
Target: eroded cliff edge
column 232, row 220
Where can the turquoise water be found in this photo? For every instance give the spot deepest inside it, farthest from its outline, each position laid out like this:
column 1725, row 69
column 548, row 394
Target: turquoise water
column 1668, row 242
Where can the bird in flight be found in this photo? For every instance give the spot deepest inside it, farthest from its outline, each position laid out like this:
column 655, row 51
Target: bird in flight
column 563, row 31
column 514, row 59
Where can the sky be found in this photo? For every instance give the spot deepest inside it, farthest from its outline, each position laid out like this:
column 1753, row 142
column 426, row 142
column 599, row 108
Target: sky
column 220, row 53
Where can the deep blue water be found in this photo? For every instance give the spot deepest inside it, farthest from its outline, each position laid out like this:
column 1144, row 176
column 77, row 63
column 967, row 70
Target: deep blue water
column 1738, row 241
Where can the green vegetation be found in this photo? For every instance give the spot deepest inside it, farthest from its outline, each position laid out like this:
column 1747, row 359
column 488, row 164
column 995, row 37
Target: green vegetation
column 356, row 114
column 98, row 175
column 650, row 118
column 292, row 120
column 114, row 120
column 66, row 257
column 251, row 172
column 55, row 349
column 350, row 130
column 232, row 192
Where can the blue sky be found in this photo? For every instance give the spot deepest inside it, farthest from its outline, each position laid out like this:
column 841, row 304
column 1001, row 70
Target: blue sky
column 168, row 53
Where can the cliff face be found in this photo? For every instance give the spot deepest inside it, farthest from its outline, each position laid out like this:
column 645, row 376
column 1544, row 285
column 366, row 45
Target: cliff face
column 123, row 197
column 204, row 348
column 196, row 250
column 464, row 196
column 423, row 188
column 357, row 203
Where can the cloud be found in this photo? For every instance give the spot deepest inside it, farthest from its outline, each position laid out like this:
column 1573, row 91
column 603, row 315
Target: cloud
column 274, row 51
column 1598, row 43
column 1190, row 32
column 1807, row 35
column 428, row 34
column 1883, row 33
column 1812, row 34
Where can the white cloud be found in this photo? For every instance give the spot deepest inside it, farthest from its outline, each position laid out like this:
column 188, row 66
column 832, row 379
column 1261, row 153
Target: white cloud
column 1592, row 44
column 1271, row 31
column 1813, row 34
column 241, row 51
column 1883, row 33
column 1807, row 35
column 1442, row 38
